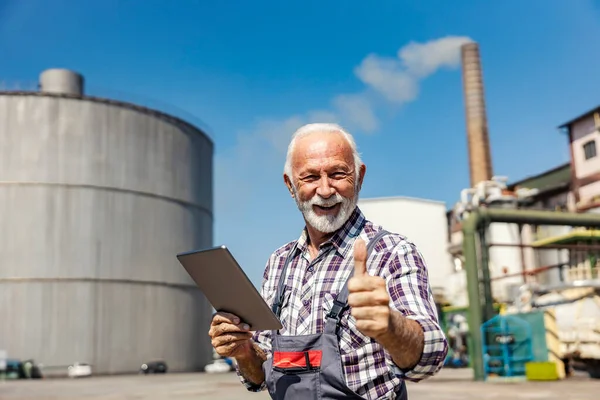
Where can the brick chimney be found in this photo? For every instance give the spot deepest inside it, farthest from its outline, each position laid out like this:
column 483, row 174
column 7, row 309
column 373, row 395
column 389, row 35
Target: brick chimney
column 480, row 160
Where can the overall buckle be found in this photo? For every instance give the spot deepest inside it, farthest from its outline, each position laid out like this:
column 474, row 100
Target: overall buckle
column 336, row 310
column 276, row 308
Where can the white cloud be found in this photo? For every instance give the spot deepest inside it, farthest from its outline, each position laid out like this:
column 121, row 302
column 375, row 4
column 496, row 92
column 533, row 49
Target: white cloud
column 388, row 77
column 397, row 79
column 278, row 132
column 423, row 59
column 356, row 110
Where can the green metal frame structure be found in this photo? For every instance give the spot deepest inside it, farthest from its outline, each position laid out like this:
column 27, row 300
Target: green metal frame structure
column 478, row 275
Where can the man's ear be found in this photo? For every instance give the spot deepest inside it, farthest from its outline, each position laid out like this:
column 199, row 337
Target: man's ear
column 288, row 183
column 361, row 175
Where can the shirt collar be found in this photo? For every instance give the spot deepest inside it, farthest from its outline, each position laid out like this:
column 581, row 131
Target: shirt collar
column 343, row 238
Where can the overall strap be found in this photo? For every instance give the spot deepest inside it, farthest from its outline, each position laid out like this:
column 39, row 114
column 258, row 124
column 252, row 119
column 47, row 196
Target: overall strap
column 278, row 303
column 341, row 301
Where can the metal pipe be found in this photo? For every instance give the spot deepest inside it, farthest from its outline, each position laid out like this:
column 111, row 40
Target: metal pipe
column 535, row 217
column 590, row 283
column 475, row 312
column 522, row 251
column 550, row 246
column 485, row 281
column 484, row 217
column 530, row 272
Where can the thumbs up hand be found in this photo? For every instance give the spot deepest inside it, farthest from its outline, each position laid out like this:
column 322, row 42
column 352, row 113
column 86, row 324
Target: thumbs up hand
column 368, row 297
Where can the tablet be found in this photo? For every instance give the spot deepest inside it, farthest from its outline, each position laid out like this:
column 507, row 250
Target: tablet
column 227, row 287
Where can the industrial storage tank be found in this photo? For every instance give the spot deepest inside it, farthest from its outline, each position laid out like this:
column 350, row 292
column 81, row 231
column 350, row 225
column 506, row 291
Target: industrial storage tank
column 97, row 197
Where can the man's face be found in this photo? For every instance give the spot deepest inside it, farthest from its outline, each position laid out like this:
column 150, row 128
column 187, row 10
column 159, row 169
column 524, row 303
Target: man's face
column 325, row 182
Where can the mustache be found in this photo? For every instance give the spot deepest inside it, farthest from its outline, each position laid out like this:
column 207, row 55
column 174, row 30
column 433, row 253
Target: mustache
column 329, row 202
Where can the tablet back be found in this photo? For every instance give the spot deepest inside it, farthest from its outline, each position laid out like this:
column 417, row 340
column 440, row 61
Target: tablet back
column 227, row 287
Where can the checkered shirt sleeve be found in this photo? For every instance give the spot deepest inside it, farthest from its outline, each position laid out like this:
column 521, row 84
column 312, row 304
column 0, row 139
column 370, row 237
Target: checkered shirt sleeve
column 408, row 286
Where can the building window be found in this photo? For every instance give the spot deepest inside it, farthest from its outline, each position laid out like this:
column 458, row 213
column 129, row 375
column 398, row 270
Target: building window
column 589, row 149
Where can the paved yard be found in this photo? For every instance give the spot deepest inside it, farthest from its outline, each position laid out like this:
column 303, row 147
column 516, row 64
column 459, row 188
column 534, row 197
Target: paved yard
column 449, row 384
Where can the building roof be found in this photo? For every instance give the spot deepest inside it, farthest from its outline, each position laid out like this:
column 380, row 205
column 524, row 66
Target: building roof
column 553, row 178
column 585, row 114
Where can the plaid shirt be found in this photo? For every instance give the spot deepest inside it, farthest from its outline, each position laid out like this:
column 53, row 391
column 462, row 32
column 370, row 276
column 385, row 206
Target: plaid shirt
column 309, row 293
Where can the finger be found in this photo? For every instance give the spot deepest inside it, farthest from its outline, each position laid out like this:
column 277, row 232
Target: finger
column 223, row 328
column 368, row 299
column 370, row 327
column 227, row 328
column 225, row 317
column 229, row 338
column 360, row 258
column 376, row 313
column 366, row 283
column 229, row 349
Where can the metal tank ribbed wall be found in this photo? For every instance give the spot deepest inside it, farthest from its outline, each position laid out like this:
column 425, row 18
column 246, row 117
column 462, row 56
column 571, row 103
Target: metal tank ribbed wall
column 96, row 199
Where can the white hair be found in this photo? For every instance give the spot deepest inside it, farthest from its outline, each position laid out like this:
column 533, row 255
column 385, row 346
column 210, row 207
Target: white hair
column 320, row 128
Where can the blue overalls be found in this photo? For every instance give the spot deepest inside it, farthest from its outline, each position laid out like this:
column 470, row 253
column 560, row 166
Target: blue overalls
column 310, row 366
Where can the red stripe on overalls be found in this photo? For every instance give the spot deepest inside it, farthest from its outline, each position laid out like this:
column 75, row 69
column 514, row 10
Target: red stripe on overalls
column 295, row 359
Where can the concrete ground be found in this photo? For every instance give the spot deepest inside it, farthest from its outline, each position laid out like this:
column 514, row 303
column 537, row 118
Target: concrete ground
column 448, row 384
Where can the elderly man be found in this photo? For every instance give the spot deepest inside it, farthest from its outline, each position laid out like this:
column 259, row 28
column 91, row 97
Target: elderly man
column 355, row 302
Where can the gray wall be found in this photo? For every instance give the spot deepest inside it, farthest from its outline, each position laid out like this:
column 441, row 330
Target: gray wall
column 96, row 200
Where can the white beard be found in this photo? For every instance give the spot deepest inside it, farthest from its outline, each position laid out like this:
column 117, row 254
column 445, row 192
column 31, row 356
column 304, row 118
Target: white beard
column 327, row 223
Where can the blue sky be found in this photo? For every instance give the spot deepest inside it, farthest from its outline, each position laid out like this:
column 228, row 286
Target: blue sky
column 254, row 71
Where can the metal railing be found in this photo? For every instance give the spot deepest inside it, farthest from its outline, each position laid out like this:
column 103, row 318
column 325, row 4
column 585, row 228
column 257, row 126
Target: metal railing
column 476, row 251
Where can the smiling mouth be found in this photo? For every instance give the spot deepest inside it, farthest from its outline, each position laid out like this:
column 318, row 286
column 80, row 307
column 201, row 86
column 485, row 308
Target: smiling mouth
column 326, row 208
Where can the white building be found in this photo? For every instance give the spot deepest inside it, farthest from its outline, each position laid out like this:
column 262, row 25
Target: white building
column 423, row 222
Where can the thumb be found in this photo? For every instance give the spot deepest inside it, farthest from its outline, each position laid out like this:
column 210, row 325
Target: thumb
column 360, row 258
